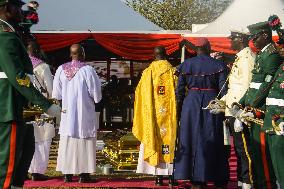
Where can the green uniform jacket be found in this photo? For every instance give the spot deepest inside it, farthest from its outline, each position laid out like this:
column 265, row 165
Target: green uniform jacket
column 15, row 63
column 266, row 64
column 275, row 100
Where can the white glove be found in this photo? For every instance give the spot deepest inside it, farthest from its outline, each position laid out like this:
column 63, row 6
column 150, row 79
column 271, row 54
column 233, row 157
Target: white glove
column 54, row 111
column 215, row 111
column 238, row 126
column 244, row 115
column 247, row 114
column 215, row 106
column 281, row 127
column 236, row 111
column 217, row 55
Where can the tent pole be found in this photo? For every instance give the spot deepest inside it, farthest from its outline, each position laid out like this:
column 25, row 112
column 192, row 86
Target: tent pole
column 108, row 69
column 182, row 54
column 131, row 71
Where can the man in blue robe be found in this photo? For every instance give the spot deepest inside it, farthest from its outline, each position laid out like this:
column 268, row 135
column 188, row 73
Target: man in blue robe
column 201, row 155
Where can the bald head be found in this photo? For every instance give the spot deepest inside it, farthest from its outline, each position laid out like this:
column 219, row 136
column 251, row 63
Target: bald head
column 77, row 52
column 160, row 53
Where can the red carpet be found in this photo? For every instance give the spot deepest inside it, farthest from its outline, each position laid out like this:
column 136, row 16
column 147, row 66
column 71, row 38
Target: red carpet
column 111, row 183
column 129, row 183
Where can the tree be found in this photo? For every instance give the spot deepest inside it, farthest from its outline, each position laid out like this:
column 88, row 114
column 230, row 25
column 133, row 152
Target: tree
column 179, row 14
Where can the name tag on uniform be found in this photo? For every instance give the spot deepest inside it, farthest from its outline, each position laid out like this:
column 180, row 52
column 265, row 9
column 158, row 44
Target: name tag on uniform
column 165, row 149
column 161, row 90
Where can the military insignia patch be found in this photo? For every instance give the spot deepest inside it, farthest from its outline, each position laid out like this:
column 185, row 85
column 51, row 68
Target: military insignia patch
column 23, row 80
column 161, row 90
column 268, row 78
column 165, row 149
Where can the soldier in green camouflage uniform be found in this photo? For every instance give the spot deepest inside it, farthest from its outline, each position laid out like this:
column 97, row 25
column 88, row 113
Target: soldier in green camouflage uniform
column 16, row 91
column 274, row 124
column 266, row 65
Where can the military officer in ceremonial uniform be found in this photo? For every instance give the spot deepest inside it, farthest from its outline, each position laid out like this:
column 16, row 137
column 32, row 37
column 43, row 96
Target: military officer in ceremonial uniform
column 16, row 91
column 274, row 124
column 238, row 83
column 266, row 64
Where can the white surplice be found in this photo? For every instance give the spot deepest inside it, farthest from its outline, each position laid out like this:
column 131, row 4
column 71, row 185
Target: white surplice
column 78, row 96
column 43, row 79
column 145, row 168
column 41, row 156
column 78, row 126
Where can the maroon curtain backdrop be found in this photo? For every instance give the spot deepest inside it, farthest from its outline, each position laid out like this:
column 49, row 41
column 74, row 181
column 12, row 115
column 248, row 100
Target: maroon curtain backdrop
column 51, row 42
column 129, row 45
column 138, row 46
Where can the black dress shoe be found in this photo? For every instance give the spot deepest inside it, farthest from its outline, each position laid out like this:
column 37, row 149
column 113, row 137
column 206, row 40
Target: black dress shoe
column 172, row 181
column 39, row 177
column 196, row 186
column 68, row 178
column 85, row 178
column 159, row 181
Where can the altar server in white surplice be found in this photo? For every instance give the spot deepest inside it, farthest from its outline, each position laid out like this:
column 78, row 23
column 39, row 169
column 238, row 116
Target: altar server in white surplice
column 79, row 88
column 43, row 131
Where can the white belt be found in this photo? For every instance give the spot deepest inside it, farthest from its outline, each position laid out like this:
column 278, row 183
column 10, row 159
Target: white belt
column 3, row 75
column 254, row 85
column 274, row 102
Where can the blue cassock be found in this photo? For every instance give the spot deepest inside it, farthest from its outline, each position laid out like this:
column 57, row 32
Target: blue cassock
column 201, row 155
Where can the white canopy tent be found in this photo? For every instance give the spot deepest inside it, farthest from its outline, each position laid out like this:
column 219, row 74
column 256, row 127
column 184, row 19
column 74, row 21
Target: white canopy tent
column 242, row 13
column 89, row 15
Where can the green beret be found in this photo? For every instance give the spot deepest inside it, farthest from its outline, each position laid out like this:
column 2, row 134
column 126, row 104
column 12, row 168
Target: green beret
column 18, row 2
column 259, row 28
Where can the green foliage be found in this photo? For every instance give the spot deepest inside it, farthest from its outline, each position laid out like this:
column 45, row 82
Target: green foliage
column 179, row 14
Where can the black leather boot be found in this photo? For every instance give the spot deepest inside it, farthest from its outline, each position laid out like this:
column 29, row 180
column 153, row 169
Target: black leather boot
column 172, row 181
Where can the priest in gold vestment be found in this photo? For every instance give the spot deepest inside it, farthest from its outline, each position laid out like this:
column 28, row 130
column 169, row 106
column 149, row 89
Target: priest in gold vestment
column 155, row 118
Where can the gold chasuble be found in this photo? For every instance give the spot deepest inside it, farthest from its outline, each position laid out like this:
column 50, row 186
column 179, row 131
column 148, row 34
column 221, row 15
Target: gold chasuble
column 155, row 120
